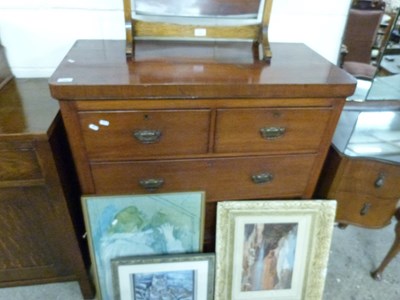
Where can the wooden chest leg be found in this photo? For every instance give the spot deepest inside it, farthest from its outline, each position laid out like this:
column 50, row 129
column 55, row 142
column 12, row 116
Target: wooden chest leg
column 87, row 289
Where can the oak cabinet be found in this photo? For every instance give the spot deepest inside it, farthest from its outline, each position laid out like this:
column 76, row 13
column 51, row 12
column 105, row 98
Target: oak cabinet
column 39, row 216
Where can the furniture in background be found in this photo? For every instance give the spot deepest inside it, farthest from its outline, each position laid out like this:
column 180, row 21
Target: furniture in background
column 362, row 170
column 185, row 116
column 390, row 64
column 5, row 71
column 359, row 37
column 392, row 46
column 39, row 195
column 385, row 84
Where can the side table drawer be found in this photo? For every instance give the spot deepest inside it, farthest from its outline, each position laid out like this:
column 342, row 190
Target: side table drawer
column 364, row 209
column 129, row 134
column 270, row 129
column 18, row 162
column 227, row 178
column 369, row 177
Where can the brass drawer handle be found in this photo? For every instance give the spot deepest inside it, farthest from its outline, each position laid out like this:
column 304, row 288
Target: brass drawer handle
column 151, row 184
column 365, row 209
column 380, row 181
column 148, row 136
column 262, row 178
column 270, row 133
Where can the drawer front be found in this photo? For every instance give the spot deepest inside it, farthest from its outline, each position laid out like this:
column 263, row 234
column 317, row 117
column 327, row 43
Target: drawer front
column 18, row 163
column 373, row 178
column 270, row 129
column 364, row 210
column 227, row 178
column 129, row 134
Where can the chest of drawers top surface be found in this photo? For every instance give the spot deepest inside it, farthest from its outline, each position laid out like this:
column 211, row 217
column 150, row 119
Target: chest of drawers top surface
column 99, row 69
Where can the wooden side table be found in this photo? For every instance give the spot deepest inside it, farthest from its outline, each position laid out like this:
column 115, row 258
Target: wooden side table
column 39, row 196
column 362, row 170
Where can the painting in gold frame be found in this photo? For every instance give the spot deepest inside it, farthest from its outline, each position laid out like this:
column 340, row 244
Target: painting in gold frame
column 273, row 249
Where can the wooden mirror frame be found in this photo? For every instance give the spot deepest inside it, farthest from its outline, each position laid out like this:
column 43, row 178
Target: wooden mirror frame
column 258, row 33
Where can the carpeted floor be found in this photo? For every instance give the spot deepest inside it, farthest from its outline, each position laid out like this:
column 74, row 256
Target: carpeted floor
column 354, row 253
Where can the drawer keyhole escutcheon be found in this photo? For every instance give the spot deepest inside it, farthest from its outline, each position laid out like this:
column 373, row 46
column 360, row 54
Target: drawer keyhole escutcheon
column 380, row 181
column 262, row 178
column 151, row 184
column 365, row 209
column 148, row 136
column 270, row 133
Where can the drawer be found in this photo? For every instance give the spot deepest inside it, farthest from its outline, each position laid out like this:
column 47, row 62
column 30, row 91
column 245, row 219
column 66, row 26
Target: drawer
column 221, row 178
column 364, row 210
column 129, row 134
column 368, row 177
column 18, row 163
column 270, row 129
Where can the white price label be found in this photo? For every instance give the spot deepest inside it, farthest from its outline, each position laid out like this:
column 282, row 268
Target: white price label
column 200, row 32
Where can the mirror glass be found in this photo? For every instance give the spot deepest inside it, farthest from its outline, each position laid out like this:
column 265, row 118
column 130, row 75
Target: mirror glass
column 199, row 20
column 214, row 10
column 371, row 49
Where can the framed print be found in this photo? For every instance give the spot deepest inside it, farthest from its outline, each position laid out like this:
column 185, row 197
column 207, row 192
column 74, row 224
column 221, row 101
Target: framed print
column 187, row 276
column 137, row 225
column 275, row 250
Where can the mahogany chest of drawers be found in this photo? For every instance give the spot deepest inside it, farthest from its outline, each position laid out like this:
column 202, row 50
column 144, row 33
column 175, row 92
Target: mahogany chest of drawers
column 38, row 192
column 184, row 116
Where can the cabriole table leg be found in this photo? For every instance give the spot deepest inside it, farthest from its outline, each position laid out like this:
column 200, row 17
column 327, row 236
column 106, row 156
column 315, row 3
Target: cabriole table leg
column 394, row 250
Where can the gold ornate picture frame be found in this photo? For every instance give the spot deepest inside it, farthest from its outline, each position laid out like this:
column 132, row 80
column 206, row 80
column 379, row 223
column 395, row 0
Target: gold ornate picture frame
column 273, row 249
column 222, row 20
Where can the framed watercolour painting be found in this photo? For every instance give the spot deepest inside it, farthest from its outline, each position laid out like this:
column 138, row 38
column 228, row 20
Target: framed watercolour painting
column 187, row 276
column 137, row 225
column 276, row 250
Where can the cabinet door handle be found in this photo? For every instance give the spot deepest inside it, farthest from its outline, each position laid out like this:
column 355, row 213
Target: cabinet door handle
column 148, row 136
column 270, row 133
column 151, row 184
column 365, row 209
column 380, row 181
column 262, row 178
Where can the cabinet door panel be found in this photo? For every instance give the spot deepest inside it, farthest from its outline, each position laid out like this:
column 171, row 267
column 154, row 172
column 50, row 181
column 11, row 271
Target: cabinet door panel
column 18, row 164
column 25, row 239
